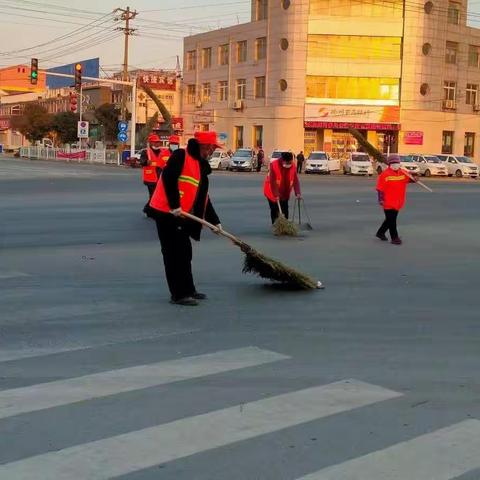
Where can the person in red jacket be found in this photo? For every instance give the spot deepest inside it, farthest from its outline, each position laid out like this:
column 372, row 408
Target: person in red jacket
column 279, row 183
column 392, row 189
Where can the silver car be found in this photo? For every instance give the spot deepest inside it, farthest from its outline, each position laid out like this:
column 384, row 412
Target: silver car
column 243, row 160
column 430, row 165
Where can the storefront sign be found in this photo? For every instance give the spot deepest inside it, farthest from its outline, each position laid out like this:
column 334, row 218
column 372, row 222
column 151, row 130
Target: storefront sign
column 159, row 80
column 177, row 124
column 413, row 138
column 4, row 123
column 204, row 116
column 359, row 117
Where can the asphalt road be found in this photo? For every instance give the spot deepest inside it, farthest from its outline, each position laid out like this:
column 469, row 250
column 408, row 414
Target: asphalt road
column 374, row 378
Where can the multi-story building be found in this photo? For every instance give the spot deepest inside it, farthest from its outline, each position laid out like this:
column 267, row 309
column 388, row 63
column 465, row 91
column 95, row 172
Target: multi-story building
column 303, row 72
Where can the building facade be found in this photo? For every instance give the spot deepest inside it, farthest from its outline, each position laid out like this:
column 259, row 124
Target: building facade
column 303, row 72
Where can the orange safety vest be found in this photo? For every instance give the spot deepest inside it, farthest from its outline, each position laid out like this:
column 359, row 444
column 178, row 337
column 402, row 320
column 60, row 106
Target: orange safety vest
column 276, row 168
column 155, row 161
column 188, row 183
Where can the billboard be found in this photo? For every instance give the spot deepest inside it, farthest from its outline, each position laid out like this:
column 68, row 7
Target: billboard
column 90, row 68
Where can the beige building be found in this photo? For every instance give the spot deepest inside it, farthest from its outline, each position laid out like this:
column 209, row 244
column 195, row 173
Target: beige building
column 304, row 71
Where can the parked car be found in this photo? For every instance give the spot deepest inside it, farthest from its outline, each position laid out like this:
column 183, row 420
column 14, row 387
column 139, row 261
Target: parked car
column 275, row 155
column 244, row 159
column 358, row 163
column 406, row 161
column 430, row 165
column 219, row 160
column 320, row 162
column 460, row 166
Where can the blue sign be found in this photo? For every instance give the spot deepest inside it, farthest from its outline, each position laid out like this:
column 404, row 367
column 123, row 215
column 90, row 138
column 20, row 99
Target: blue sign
column 122, row 136
column 222, row 136
column 90, row 68
column 122, row 126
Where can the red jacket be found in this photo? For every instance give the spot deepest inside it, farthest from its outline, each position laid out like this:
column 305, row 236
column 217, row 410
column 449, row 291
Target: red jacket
column 392, row 186
column 280, row 181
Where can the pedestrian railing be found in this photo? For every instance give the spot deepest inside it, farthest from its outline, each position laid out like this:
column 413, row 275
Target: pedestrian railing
column 88, row 155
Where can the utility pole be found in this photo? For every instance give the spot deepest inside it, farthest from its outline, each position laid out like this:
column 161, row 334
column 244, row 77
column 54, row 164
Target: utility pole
column 125, row 15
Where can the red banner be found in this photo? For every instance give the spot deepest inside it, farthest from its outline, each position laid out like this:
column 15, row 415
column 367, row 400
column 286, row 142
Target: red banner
column 358, row 126
column 4, row 123
column 80, row 155
column 413, row 138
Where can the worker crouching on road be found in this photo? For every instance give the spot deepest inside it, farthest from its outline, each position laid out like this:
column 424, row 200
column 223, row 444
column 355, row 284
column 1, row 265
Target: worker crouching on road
column 183, row 187
column 153, row 159
column 391, row 189
column 279, row 183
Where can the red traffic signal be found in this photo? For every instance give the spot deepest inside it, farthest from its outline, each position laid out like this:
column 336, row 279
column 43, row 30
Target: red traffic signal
column 73, row 103
column 78, row 76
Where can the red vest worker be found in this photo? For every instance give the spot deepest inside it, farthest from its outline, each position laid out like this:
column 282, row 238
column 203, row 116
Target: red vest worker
column 392, row 189
column 183, row 187
column 279, row 183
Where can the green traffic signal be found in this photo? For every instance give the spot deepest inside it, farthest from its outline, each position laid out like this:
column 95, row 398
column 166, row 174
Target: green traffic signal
column 34, row 75
column 34, row 71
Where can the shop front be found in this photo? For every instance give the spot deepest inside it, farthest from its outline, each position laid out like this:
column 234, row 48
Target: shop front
column 327, row 128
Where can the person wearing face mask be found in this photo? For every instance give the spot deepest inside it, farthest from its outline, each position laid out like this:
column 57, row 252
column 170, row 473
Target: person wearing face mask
column 183, row 187
column 152, row 159
column 391, row 189
column 279, row 183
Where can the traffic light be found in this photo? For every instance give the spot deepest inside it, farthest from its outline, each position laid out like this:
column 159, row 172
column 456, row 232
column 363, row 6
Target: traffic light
column 34, row 71
column 73, row 102
column 78, row 76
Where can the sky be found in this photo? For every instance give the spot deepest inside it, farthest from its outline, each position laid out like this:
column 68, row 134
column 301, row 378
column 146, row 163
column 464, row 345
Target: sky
column 88, row 28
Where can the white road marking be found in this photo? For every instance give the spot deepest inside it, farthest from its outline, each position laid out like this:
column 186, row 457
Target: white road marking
column 441, row 455
column 8, row 275
column 113, row 382
column 123, row 454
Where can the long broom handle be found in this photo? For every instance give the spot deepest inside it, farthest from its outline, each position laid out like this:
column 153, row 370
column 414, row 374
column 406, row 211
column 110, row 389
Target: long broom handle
column 214, row 228
column 279, row 207
column 417, row 181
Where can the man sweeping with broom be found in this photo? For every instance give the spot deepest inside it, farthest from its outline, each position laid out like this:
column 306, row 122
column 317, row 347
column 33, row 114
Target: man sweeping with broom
column 282, row 178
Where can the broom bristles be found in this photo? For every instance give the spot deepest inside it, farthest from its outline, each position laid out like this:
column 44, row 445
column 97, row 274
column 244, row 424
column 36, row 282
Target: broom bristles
column 271, row 269
column 284, row 227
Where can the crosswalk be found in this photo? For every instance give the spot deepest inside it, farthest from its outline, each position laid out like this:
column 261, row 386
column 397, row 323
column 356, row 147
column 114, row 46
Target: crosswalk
column 441, row 454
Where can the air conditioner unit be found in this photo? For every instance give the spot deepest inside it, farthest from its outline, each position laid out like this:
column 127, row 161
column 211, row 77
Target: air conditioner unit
column 476, row 107
column 238, row 105
column 450, row 104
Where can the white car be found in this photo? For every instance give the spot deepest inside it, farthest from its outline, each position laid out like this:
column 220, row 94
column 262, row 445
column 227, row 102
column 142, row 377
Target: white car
column 320, row 162
column 276, row 154
column 243, row 160
column 358, row 164
column 460, row 166
column 430, row 165
column 219, row 160
column 406, row 162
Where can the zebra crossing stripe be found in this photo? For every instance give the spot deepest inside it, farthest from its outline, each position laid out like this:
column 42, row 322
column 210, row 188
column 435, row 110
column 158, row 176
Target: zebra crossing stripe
column 441, row 455
column 123, row 454
column 63, row 392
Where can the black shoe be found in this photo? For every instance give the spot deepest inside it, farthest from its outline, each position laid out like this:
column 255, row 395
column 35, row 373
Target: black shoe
column 199, row 296
column 186, row 302
column 382, row 237
column 396, row 241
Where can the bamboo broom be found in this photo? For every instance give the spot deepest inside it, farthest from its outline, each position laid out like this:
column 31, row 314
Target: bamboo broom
column 261, row 265
column 283, row 226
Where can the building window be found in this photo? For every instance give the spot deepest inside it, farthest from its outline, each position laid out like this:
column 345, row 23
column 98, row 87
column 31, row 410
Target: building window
column 473, row 56
column 191, row 60
column 451, row 51
column 471, row 94
column 449, row 90
column 242, row 51
column 204, row 127
column 241, row 89
column 191, row 94
column 223, row 54
column 261, row 10
column 238, row 136
column 206, row 92
column 258, row 136
column 260, row 48
column 354, row 8
column 453, row 15
column 259, row 90
column 469, row 145
column 447, row 142
column 222, row 91
column 206, row 57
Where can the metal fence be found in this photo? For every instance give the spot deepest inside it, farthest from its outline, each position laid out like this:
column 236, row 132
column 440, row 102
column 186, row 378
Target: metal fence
column 89, row 155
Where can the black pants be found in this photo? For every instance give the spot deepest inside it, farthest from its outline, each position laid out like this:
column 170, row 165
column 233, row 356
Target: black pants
column 177, row 256
column 299, row 167
column 390, row 223
column 151, row 189
column 259, row 166
column 274, row 213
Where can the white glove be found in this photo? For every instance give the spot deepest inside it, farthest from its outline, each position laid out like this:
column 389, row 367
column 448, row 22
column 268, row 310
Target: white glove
column 176, row 212
column 218, row 229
